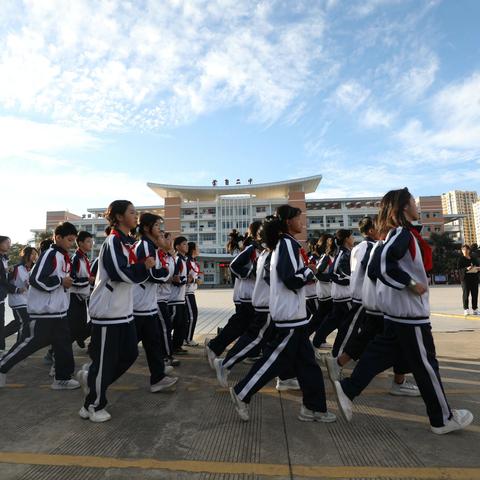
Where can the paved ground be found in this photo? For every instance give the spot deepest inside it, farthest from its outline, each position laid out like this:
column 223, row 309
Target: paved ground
column 195, row 434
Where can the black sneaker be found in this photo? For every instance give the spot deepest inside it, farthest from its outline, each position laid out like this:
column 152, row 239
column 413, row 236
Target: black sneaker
column 81, row 343
column 181, row 351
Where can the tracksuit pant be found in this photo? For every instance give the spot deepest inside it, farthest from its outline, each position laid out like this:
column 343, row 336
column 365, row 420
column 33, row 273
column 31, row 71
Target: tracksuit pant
column 192, row 315
column 165, row 326
column 179, row 324
column 236, row 326
column 324, row 309
column 148, row 332
column 470, row 289
column 333, row 321
column 2, row 325
column 44, row 332
column 415, row 344
column 78, row 319
column 289, row 348
column 312, row 306
column 114, row 348
column 18, row 324
column 349, row 326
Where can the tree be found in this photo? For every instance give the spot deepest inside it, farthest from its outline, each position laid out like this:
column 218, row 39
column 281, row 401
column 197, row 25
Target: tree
column 445, row 254
column 40, row 236
column 14, row 254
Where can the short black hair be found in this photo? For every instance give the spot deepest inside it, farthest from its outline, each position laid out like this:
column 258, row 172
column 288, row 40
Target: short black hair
column 83, row 235
column 45, row 244
column 365, row 224
column 65, row 229
column 178, row 241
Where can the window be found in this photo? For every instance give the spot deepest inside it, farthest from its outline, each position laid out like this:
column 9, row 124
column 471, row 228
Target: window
column 211, row 224
column 209, row 278
column 193, row 224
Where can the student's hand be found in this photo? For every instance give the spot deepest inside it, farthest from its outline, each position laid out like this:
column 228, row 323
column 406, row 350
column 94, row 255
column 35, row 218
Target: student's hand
column 92, row 280
column 419, row 289
column 22, row 290
column 176, row 279
column 67, row 282
column 149, row 262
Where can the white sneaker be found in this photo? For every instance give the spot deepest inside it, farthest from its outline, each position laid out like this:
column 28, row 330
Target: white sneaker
column 466, row 312
column 344, row 403
column 3, row 380
column 240, row 407
column 83, row 413
column 460, row 419
column 222, row 373
column 166, row 384
column 252, row 360
column 325, row 345
column 320, row 355
column 51, row 373
column 2, row 353
column 333, row 368
column 191, row 343
column 405, row 389
column 65, row 384
column 86, row 366
column 98, row 416
column 475, row 312
column 307, row 415
column 288, row 384
column 82, row 377
column 168, row 369
column 210, row 354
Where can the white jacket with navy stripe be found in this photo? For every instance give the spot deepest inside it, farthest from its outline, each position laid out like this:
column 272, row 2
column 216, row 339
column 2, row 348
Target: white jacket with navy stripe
column 401, row 261
column 80, row 275
column 369, row 287
column 19, row 278
column 244, row 267
column 164, row 287
column 340, row 276
column 193, row 269
column 288, row 277
column 111, row 301
column 261, row 291
column 358, row 265
column 323, row 284
column 178, row 289
column 145, row 294
column 47, row 298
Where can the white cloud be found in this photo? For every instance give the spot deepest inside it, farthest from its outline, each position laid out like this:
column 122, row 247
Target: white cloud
column 351, row 95
column 375, row 117
column 117, row 64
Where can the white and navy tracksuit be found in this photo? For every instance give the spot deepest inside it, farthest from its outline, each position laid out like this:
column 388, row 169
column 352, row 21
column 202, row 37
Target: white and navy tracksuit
column 5, row 288
column 260, row 328
column 341, row 295
column 407, row 330
column 79, row 295
column 243, row 267
column 145, row 310
column 190, row 300
column 164, row 288
column 114, row 345
column 311, row 290
column 356, row 316
column 290, row 346
column 176, row 303
column 19, row 278
column 323, row 286
column 47, row 305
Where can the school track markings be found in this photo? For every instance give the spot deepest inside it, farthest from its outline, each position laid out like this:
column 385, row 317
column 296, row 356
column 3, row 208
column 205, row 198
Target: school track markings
column 238, row 468
column 455, row 315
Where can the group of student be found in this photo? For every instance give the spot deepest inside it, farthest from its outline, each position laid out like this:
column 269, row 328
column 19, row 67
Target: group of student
column 138, row 289
column 287, row 302
column 374, row 294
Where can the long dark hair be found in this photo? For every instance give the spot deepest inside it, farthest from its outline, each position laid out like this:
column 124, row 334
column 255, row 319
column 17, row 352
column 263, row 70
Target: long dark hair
column 275, row 225
column 234, row 239
column 323, row 243
column 341, row 235
column 192, row 246
column 146, row 222
column 117, row 207
column 251, row 234
column 392, row 214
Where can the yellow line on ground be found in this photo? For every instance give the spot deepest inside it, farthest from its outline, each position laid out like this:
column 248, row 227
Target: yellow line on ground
column 264, row 469
column 455, row 315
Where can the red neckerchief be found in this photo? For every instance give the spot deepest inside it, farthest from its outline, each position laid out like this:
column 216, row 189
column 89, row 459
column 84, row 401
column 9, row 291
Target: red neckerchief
column 132, row 258
column 425, row 250
column 162, row 256
column 304, row 255
column 193, row 266
column 67, row 268
column 87, row 263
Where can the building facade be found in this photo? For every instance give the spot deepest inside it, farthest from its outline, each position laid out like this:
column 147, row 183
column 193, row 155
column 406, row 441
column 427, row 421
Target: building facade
column 476, row 218
column 461, row 202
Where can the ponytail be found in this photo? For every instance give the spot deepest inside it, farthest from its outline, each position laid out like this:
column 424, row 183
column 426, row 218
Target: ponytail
column 271, row 230
column 341, row 236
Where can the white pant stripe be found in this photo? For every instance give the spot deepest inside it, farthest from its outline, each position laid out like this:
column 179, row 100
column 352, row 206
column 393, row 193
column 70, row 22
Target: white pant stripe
column 20, row 347
column 350, row 329
column 98, row 379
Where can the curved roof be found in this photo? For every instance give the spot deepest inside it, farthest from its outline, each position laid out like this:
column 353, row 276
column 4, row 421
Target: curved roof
column 271, row 190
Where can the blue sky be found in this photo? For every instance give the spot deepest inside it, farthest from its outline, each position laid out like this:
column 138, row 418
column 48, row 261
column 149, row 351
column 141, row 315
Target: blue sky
column 96, row 99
